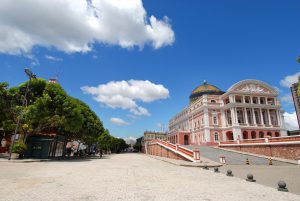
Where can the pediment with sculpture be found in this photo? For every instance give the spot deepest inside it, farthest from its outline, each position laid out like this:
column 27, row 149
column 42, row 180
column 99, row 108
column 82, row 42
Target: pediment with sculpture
column 252, row 86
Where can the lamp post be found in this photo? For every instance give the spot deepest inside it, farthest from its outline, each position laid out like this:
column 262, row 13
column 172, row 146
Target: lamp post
column 30, row 74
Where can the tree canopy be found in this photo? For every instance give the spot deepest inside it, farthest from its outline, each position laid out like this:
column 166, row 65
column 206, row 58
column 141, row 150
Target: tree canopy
column 48, row 109
column 138, row 144
column 107, row 142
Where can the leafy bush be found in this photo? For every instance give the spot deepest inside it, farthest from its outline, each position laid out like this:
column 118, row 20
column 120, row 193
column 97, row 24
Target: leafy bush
column 19, row 147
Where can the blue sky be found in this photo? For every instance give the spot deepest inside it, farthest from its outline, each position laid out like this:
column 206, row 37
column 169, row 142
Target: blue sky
column 222, row 42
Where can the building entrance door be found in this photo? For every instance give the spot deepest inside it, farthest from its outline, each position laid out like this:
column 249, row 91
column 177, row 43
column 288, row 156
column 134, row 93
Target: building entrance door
column 186, row 140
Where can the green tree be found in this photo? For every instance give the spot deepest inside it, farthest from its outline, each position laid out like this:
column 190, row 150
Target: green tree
column 138, row 144
column 104, row 141
column 109, row 143
column 48, row 109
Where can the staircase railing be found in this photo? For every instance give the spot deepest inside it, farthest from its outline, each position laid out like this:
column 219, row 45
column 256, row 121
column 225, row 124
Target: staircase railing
column 191, row 155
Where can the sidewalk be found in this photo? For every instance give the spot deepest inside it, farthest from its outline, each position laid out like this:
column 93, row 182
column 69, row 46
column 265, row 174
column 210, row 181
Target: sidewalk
column 32, row 160
column 203, row 162
column 260, row 156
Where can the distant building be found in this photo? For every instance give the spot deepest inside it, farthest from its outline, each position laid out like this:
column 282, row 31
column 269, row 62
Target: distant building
column 53, row 80
column 152, row 135
column 249, row 109
column 296, row 98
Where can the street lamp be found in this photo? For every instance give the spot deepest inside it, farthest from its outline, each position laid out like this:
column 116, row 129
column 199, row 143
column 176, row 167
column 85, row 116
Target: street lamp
column 30, row 74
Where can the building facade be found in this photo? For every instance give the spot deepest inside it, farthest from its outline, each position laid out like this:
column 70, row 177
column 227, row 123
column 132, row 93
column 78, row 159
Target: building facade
column 152, row 135
column 296, row 99
column 249, row 109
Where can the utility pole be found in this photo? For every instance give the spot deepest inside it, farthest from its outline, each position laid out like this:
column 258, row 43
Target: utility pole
column 30, row 74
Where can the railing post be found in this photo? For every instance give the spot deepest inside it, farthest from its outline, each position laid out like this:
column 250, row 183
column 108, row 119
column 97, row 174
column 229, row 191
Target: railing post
column 196, row 154
column 266, row 140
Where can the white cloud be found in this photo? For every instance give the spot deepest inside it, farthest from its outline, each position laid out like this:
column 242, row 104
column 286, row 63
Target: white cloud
column 52, row 58
column 132, row 116
column 287, row 98
column 75, row 25
column 130, row 140
column 291, row 121
column 33, row 60
column 125, row 94
column 118, row 121
column 289, row 80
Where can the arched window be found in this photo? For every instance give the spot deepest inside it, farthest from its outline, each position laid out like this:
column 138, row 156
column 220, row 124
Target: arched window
column 261, row 134
column 216, row 137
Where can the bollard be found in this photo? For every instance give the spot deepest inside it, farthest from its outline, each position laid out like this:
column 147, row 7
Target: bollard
column 247, row 162
column 229, row 173
column 282, row 186
column 216, row 169
column 270, row 161
column 205, row 167
column 222, row 159
column 250, row 178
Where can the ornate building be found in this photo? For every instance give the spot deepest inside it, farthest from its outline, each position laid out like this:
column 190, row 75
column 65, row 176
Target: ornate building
column 296, row 98
column 249, row 109
column 152, row 135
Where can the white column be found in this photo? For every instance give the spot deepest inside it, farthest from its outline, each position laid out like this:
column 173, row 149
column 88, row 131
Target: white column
column 261, row 118
column 232, row 116
column 235, row 114
column 206, row 118
column 253, row 117
column 223, row 118
column 226, row 118
column 246, row 116
column 269, row 116
column 192, row 127
column 278, row 118
column 206, row 125
column 230, row 99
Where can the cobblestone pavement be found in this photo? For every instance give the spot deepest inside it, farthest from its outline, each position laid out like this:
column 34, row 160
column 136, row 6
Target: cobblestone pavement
column 125, row 177
column 233, row 158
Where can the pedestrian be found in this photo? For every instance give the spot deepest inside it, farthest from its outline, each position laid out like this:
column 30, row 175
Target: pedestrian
column 101, row 153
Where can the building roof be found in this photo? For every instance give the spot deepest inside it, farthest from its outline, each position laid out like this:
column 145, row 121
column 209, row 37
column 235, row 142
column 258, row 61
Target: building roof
column 205, row 88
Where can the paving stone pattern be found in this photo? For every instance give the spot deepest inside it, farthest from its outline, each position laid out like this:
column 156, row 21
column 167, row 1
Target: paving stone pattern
column 135, row 177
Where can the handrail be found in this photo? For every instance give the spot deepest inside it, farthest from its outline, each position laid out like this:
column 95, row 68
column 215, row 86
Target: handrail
column 186, row 153
column 295, row 138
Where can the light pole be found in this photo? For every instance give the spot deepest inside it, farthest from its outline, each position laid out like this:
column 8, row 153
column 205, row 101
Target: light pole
column 30, row 74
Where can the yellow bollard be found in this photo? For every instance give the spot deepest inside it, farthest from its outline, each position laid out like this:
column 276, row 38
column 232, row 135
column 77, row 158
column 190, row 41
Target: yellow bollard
column 270, row 161
column 247, row 162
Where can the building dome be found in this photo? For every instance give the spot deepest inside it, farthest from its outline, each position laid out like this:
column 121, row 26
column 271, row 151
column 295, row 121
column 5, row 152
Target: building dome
column 204, row 89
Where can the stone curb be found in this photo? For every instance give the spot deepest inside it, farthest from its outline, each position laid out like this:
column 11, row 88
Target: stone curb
column 186, row 163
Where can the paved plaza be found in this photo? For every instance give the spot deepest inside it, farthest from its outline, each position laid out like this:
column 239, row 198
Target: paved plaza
column 125, row 177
